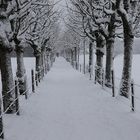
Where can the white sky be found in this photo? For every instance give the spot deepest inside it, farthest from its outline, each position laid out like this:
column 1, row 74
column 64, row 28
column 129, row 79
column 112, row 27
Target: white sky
column 62, row 6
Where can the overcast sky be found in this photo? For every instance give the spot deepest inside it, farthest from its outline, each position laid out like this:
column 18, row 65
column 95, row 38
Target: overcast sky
column 61, row 5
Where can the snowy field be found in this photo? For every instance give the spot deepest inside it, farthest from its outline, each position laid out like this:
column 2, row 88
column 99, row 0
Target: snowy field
column 29, row 65
column 118, row 63
column 68, row 106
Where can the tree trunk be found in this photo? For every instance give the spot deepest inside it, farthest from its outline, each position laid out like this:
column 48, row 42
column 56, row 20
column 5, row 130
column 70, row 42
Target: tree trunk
column 72, row 60
column 45, row 61
column 42, row 63
column 109, row 61
column 78, row 56
column 127, row 65
column 110, row 48
column 84, row 54
column 90, row 57
column 128, row 45
column 38, row 64
column 8, row 91
column 21, row 72
column 99, row 66
column 48, row 65
column 75, row 57
column 99, row 57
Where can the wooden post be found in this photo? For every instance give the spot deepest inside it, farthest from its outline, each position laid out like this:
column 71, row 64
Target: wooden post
column 76, row 65
column 91, row 71
column 39, row 74
column 113, row 84
column 80, row 67
column 16, row 98
column 43, row 72
column 45, row 68
column 26, row 93
column 36, row 79
column 95, row 80
column 132, row 97
column 33, row 81
column 102, row 77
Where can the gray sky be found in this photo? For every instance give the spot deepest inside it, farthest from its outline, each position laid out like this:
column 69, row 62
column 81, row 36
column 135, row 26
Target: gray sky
column 62, row 6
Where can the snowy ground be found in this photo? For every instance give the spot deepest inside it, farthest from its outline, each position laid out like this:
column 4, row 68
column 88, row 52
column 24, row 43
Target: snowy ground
column 67, row 106
column 118, row 65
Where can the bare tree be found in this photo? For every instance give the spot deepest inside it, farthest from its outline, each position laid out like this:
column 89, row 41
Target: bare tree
column 86, row 10
column 129, row 13
column 20, row 24
column 5, row 58
column 44, row 17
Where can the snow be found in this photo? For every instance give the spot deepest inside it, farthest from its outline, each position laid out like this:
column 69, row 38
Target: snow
column 29, row 64
column 119, row 46
column 68, row 106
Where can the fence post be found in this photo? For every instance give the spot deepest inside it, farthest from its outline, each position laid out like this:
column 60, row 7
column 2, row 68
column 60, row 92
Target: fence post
column 45, row 68
column 90, row 72
column 95, row 80
column 102, row 77
column 33, row 81
column 26, row 93
column 36, row 79
column 132, row 97
column 39, row 75
column 16, row 98
column 43, row 71
column 113, row 84
column 76, row 67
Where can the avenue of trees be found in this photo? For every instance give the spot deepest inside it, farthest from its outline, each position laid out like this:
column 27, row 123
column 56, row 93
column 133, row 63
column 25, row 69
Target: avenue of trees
column 36, row 24
column 101, row 22
column 25, row 23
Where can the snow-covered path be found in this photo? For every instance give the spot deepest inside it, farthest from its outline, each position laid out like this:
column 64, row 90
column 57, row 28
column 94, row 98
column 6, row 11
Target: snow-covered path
column 67, row 106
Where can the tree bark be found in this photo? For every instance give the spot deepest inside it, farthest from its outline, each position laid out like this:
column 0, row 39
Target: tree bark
column 90, row 57
column 78, row 56
column 127, row 65
column 45, row 60
column 128, row 46
column 8, row 91
column 21, row 72
column 99, row 57
column 42, row 63
column 110, row 39
column 75, row 57
column 48, row 65
column 109, row 61
column 38, row 62
column 84, row 55
column 72, row 60
column 99, row 66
